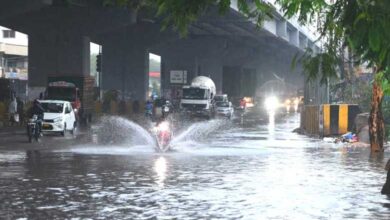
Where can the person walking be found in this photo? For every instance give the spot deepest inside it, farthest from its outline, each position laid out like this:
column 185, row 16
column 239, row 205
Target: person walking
column 20, row 110
column 12, row 111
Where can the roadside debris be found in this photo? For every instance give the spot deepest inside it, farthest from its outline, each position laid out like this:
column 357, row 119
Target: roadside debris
column 345, row 138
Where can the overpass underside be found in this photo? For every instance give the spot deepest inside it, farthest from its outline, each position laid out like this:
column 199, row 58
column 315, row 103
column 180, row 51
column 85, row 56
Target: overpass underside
column 236, row 54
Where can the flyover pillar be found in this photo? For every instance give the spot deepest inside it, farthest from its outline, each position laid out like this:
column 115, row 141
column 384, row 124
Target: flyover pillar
column 57, row 54
column 125, row 66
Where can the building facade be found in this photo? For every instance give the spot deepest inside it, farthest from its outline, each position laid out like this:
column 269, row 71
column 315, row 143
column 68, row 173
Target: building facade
column 13, row 54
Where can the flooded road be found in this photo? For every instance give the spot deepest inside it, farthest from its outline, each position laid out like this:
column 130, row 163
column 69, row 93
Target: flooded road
column 229, row 171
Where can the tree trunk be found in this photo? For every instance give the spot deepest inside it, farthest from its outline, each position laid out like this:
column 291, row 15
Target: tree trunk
column 376, row 123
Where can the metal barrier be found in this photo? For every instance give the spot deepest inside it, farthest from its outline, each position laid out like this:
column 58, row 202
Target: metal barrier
column 126, row 109
column 329, row 119
column 310, row 117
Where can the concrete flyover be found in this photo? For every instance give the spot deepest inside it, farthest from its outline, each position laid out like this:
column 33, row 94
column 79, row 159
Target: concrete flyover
column 218, row 46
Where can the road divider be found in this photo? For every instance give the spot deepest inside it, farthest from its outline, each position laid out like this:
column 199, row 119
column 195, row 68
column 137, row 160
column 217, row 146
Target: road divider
column 329, row 119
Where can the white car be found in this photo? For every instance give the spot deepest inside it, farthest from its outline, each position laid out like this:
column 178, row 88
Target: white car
column 225, row 109
column 58, row 117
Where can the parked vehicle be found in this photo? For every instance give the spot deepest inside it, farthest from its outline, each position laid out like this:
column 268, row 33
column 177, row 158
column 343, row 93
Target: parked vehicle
column 198, row 98
column 79, row 90
column 59, row 117
column 225, row 109
column 33, row 131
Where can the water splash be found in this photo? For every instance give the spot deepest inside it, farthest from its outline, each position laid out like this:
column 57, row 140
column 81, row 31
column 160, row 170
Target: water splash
column 197, row 132
column 121, row 131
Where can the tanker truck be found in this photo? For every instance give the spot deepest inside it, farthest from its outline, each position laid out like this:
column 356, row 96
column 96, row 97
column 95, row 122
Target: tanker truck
column 198, row 98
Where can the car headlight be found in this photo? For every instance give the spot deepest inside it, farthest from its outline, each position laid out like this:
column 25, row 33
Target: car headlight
column 271, row 103
column 56, row 120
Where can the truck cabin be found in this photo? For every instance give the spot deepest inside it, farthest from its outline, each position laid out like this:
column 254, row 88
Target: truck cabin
column 198, row 93
column 64, row 91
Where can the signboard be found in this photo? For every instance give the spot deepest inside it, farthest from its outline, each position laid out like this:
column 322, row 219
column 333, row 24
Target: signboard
column 62, row 84
column 178, row 76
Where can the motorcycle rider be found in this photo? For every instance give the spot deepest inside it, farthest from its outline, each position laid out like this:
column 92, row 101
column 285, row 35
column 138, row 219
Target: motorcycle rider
column 243, row 103
column 166, row 109
column 163, row 133
column 38, row 110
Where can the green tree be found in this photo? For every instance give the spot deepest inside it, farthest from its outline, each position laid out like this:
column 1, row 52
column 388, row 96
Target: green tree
column 180, row 13
column 363, row 26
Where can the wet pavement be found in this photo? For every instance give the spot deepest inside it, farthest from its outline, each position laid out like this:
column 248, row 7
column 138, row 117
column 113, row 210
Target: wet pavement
column 217, row 170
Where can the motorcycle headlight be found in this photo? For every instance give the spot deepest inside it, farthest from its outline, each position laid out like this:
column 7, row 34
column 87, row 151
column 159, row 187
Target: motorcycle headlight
column 56, row 120
column 163, row 126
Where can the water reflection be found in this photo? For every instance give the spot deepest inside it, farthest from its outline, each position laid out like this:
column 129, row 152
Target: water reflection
column 239, row 174
column 271, row 125
column 160, row 167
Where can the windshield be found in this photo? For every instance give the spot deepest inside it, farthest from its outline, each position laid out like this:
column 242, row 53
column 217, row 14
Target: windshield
column 222, row 104
column 219, row 98
column 194, row 93
column 53, row 107
column 61, row 93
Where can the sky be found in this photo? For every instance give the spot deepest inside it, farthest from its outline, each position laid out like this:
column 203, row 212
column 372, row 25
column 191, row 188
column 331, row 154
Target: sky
column 155, row 57
column 94, row 48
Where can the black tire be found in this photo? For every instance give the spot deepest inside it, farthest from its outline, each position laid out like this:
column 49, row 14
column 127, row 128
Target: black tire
column 64, row 131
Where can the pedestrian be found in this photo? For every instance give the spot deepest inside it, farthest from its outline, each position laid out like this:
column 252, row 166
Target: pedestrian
column 13, row 111
column 20, row 110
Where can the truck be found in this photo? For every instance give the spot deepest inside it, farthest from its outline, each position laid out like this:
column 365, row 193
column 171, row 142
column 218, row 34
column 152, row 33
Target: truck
column 198, row 98
column 79, row 90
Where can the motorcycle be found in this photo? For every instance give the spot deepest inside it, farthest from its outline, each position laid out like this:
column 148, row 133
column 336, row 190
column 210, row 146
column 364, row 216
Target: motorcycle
column 166, row 110
column 33, row 131
column 163, row 136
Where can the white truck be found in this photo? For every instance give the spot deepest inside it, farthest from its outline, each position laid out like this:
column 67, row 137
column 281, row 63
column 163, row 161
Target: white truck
column 198, row 98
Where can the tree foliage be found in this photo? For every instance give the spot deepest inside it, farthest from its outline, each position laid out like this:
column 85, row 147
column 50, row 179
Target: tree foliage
column 180, row 13
column 361, row 25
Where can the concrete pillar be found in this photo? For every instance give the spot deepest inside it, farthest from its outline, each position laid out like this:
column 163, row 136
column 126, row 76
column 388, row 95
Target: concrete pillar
column 58, row 54
column 293, row 36
column 281, row 29
column 302, row 41
column 125, row 66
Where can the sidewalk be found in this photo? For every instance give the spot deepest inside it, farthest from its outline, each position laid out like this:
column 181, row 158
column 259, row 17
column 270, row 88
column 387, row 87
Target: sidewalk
column 12, row 130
